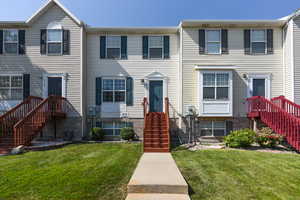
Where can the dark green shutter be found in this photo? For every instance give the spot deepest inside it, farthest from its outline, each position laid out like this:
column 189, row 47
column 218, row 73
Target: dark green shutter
column 21, row 42
column 43, row 41
column 26, row 86
column 225, row 41
column 247, row 41
column 201, row 41
column 145, row 47
column 66, row 42
column 270, row 41
column 129, row 91
column 229, row 127
column 102, row 46
column 123, row 47
column 98, row 91
column 166, row 46
column 1, row 41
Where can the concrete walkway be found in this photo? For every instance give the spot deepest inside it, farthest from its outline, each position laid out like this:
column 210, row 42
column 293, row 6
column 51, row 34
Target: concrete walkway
column 157, row 177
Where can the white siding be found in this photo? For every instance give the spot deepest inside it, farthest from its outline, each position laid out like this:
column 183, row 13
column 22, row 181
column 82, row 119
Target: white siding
column 246, row 64
column 134, row 66
column 36, row 64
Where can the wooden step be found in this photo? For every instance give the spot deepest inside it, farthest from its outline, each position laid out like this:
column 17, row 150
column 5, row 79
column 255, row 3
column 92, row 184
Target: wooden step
column 155, row 145
column 150, row 149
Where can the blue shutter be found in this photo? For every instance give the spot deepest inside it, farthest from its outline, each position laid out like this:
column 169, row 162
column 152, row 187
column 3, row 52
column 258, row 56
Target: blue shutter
column 145, row 47
column 1, row 41
column 98, row 91
column 270, row 41
column 247, row 41
column 26, row 86
column 123, row 47
column 21, row 42
column 102, row 47
column 129, row 91
column 224, row 36
column 166, row 47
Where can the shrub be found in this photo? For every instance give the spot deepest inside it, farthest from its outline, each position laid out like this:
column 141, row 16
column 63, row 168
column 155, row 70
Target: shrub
column 265, row 137
column 97, row 133
column 127, row 133
column 240, row 138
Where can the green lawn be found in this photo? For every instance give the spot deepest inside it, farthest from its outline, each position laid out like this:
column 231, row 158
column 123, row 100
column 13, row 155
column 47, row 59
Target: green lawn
column 82, row 171
column 240, row 175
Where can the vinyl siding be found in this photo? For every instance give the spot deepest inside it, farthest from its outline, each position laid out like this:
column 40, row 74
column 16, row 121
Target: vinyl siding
column 296, row 42
column 246, row 64
column 135, row 67
column 36, row 64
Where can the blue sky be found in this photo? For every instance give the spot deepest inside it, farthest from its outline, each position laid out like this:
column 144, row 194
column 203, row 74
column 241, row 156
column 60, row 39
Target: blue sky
column 154, row 12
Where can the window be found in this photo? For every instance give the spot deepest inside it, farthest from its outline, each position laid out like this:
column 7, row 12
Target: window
column 113, row 128
column 54, row 41
column 11, row 87
column 156, row 47
column 114, row 90
column 11, row 41
column 258, row 41
column 213, row 128
column 113, row 47
column 215, row 86
column 213, row 41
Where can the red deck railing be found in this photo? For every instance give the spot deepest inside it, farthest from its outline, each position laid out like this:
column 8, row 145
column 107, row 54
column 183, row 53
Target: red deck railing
column 281, row 118
column 10, row 118
column 35, row 120
column 167, row 105
column 287, row 105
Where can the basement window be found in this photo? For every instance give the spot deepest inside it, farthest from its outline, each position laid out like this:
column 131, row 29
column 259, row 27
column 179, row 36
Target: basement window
column 213, row 128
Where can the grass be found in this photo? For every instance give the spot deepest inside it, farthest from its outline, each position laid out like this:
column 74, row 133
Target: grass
column 242, row 175
column 82, row 171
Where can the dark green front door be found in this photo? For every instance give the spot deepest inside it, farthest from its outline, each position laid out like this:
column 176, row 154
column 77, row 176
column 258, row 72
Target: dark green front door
column 156, row 96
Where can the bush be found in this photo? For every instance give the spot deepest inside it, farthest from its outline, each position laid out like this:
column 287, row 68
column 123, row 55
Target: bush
column 265, row 137
column 240, row 138
column 97, row 133
column 127, row 133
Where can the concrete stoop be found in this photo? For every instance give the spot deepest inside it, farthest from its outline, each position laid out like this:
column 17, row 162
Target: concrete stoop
column 157, row 196
column 157, row 177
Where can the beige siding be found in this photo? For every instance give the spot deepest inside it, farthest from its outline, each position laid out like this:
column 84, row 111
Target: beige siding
column 288, row 62
column 36, row 64
column 245, row 63
column 135, row 67
column 296, row 41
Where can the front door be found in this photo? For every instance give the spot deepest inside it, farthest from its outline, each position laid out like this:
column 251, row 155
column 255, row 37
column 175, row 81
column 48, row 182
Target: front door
column 55, row 86
column 259, row 87
column 156, row 96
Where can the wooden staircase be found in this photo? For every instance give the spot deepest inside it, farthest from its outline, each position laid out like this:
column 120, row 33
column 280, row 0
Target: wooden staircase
column 279, row 114
column 21, row 124
column 156, row 129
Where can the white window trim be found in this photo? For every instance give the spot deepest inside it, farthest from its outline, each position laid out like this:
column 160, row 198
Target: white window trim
column 251, row 41
column 213, row 128
column 267, row 78
column 206, row 41
column 113, row 90
column 114, row 127
column 106, row 46
column 10, row 88
column 61, row 42
column 162, row 48
column 63, row 76
column 10, row 42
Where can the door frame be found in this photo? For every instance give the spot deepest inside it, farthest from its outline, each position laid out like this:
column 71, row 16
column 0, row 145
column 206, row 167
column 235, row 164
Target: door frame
column 267, row 78
column 63, row 77
column 156, row 76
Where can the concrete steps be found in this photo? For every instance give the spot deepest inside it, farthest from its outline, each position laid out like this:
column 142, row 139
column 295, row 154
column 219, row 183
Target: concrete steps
column 157, row 196
column 157, row 177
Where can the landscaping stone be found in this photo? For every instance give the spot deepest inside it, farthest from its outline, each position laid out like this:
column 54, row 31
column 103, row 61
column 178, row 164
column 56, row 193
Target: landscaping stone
column 17, row 150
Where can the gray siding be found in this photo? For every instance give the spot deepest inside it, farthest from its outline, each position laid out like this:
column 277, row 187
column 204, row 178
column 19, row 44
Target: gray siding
column 245, row 63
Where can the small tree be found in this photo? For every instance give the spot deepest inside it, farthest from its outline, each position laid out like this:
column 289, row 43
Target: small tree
column 97, row 134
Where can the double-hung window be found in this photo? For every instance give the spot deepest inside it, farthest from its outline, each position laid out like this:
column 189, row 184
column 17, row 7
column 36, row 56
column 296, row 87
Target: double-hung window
column 113, row 128
column 215, row 86
column 11, row 87
column 113, row 47
column 156, row 44
column 114, row 90
column 213, row 41
column 10, row 41
column 54, row 41
column 258, row 41
column 213, row 128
